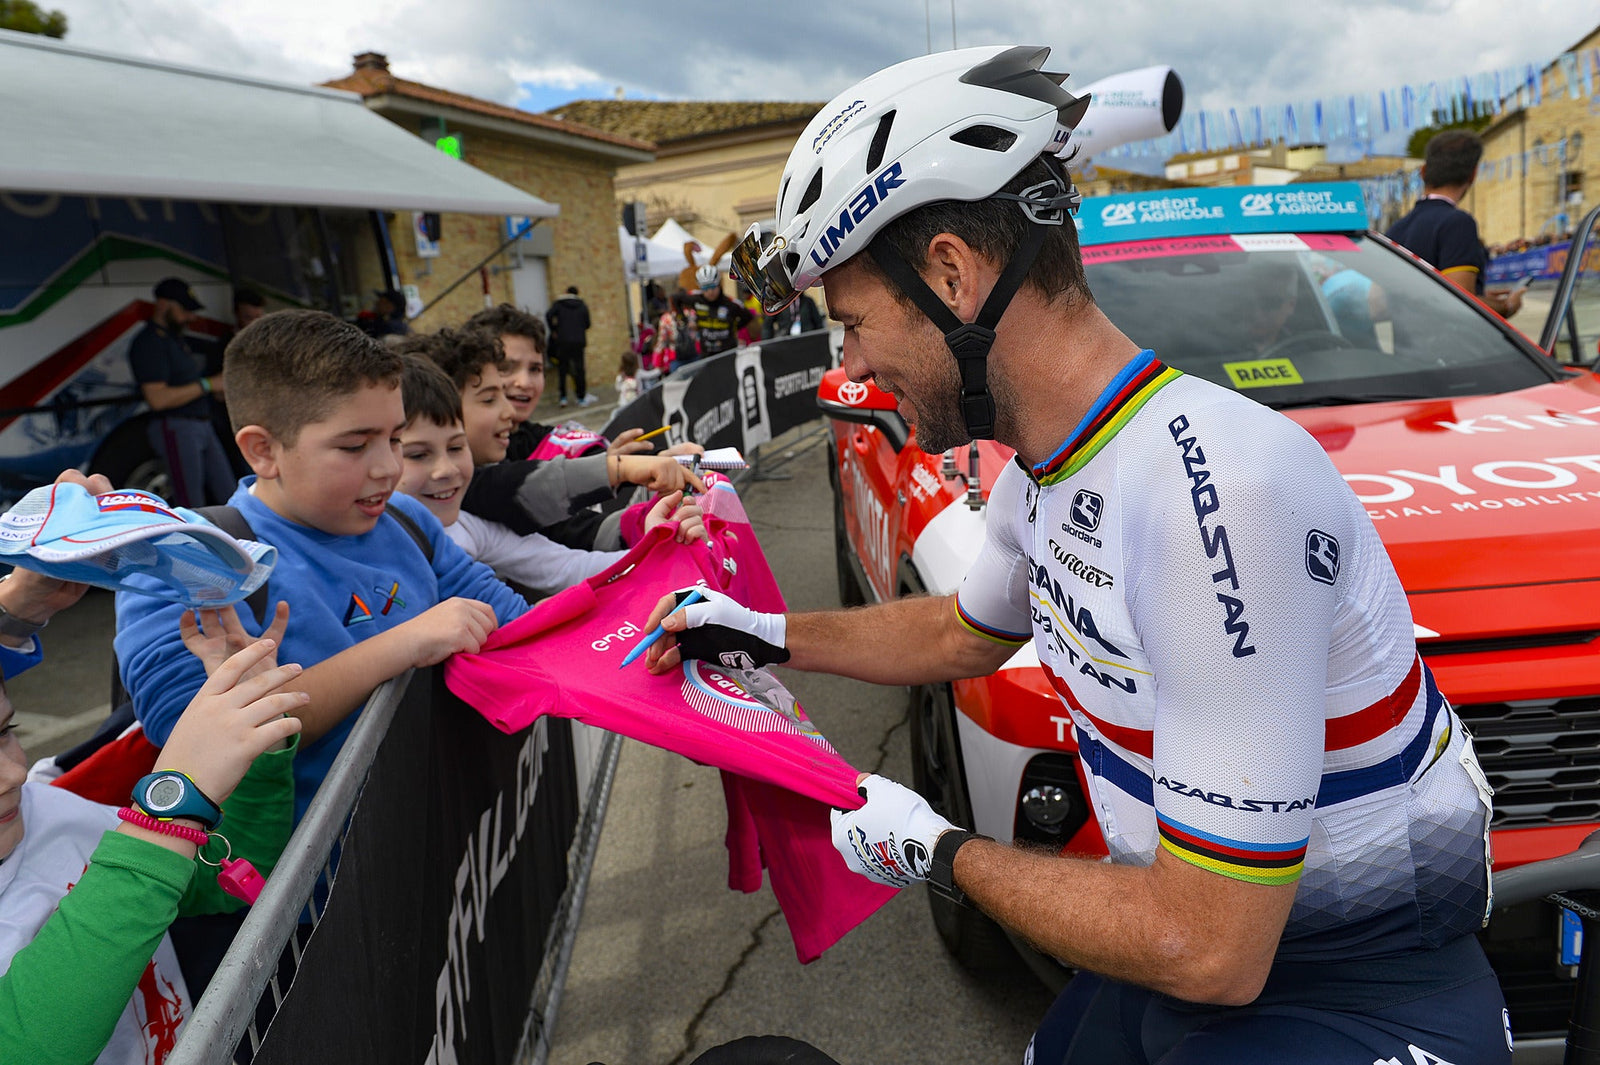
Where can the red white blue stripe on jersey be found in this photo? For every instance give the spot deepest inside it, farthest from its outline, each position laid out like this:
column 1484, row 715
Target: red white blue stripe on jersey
column 1341, row 733
column 1108, row 765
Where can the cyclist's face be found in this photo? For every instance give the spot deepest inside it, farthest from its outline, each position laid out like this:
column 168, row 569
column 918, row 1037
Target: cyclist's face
column 900, row 350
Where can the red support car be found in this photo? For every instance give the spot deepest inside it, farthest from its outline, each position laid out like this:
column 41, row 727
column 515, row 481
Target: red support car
column 1475, row 450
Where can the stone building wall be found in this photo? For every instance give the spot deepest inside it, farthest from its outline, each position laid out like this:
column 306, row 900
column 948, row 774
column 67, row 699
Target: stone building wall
column 584, row 234
column 1516, row 206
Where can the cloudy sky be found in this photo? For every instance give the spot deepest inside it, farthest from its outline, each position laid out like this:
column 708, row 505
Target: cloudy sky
column 539, row 53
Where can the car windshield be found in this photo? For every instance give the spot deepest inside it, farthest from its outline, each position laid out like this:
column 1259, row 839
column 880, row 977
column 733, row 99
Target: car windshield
column 1298, row 320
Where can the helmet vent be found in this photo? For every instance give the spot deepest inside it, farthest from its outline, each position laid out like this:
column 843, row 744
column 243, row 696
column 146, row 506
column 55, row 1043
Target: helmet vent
column 989, row 138
column 784, row 190
column 813, row 193
column 880, row 141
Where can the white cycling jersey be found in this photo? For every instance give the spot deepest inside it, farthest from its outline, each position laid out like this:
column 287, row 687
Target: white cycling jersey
column 1224, row 626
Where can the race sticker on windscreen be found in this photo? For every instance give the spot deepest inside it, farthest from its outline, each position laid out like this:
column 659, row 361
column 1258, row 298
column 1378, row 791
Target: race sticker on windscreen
column 1262, row 373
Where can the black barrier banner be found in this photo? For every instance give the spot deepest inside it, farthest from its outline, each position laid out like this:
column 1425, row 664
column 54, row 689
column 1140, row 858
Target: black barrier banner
column 446, row 888
column 741, row 398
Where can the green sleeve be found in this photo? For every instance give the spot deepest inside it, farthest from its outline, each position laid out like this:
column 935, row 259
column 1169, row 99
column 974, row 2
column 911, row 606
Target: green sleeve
column 60, row 1000
column 257, row 820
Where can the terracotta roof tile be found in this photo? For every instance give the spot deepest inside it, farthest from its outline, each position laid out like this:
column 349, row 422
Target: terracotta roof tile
column 369, row 82
column 664, row 121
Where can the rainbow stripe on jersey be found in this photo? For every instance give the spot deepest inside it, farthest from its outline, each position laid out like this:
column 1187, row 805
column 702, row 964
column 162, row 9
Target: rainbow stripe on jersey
column 1130, row 390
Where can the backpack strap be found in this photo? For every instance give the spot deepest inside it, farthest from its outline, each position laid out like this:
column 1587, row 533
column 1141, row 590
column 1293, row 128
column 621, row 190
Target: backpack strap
column 409, row 524
column 231, row 521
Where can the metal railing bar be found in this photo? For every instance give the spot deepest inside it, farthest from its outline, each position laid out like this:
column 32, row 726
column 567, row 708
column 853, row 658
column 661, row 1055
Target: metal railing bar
column 229, row 1004
column 535, row 1044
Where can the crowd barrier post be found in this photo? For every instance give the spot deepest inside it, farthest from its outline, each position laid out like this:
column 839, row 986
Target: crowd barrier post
column 228, row 1008
column 427, row 915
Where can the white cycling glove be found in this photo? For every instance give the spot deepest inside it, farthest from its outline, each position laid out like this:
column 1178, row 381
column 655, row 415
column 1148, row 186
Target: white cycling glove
column 725, row 631
column 891, row 838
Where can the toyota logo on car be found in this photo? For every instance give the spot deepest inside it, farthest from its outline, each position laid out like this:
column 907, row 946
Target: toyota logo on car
column 852, row 392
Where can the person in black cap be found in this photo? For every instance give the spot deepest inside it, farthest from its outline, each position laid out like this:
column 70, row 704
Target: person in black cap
column 388, row 314
column 171, row 379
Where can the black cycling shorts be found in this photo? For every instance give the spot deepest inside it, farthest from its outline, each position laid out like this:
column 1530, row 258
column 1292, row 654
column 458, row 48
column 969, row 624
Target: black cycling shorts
column 1333, row 1014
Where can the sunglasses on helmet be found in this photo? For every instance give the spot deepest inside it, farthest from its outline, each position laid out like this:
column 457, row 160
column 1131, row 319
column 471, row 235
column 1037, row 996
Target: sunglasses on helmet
column 768, row 279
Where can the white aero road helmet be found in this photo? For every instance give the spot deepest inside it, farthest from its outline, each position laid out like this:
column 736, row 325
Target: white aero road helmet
column 950, row 126
column 707, row 277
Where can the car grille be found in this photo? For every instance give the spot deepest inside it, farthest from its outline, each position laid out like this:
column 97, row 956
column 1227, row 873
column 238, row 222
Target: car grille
column 1542, row 756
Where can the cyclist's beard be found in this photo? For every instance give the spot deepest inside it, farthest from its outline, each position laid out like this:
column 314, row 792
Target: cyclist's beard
column 936, row 397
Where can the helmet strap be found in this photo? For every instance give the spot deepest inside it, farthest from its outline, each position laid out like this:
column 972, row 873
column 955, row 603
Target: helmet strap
column 969, row 342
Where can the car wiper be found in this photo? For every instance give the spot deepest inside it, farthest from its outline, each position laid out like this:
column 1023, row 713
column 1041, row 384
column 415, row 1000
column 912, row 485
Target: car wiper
column 1337, row 400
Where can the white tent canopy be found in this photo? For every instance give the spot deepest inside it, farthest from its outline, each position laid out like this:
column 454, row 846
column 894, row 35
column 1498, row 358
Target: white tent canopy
column 81, row 122
column 661, row 260
column 673, row 235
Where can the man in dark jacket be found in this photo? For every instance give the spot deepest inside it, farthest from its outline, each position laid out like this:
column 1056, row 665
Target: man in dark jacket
column 172, row 382
column 802, row 317
column 568, row 318
column 1439, row 232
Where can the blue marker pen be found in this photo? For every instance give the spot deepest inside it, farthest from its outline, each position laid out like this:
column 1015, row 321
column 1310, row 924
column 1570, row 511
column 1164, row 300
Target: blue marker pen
column 644, row 645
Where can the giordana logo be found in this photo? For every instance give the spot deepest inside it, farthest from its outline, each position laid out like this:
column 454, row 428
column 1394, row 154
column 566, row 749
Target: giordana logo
column 852, row 392
column 1322, row 556
column 1087, row 507
column 1117, row 214
column 855, row 212
column 836, row 123
column 1256, row 205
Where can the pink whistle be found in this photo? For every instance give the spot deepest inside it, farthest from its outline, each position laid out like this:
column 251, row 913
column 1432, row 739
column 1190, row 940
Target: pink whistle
column 240, row 879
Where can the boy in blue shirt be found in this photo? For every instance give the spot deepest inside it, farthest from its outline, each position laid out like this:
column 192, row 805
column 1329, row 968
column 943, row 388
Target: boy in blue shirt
column 317, row 412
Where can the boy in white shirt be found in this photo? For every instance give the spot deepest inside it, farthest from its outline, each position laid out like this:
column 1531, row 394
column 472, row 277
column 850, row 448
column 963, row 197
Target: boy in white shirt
column 436, row 452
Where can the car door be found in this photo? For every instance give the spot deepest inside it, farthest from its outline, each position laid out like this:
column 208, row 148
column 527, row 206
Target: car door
column 1571, row 332
column 867, row 468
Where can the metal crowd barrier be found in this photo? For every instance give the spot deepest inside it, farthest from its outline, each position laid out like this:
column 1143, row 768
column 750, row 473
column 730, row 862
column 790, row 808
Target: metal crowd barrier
column 226, row 1013
column 248, row 986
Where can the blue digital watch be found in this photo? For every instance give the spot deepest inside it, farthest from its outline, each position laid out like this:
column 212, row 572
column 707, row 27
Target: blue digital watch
column 168, row 794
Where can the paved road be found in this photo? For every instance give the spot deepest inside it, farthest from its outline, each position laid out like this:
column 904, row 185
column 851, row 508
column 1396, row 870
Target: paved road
column 61, row 701
column 669, row 962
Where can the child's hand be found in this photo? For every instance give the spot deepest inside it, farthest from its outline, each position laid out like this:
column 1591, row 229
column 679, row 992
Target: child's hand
column 691, row 526
column 454, row 626
column 688, row 447
column 627, row 443
column 687, row 515
column 33, row 597
column 659, row 473
column 213, row 636
column 237, row 714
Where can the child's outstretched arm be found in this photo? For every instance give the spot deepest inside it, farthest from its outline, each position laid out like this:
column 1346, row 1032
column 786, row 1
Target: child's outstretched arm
column 340, row 684
column 63, row 993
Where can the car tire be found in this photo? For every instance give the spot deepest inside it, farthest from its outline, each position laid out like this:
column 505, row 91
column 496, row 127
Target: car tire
column 976, row 942
column 850, row 593
column 127, row 460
